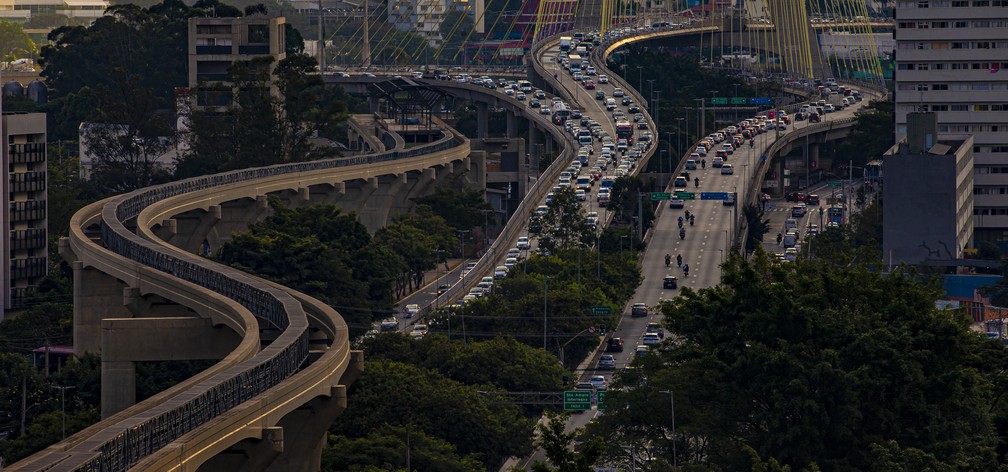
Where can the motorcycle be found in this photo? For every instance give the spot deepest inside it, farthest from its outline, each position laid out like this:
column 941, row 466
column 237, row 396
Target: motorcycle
column 696, row 181
column 685, row 270
column 703, row 164
column 691, row 220
column 682, row 233
column 668, row 260
column 680, row 222
column 678, row 259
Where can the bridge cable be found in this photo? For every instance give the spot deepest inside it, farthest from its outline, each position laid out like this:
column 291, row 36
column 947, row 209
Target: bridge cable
column 473, row 30
column 455, row 27
column 485, row 37
column 507, row 34
column 408, row 37
column 347, row 44
column 877, row 63
column 339, row 28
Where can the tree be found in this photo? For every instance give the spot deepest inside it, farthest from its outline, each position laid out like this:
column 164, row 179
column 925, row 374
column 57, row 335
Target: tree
column 386, row 449
column 396, row 394
column 556, row 442
column 626, row 198
column 461, row 209
column 128, row 138
column 871, row 135
column 815, row 366
column 756, row 226
column 563, row 226
column 259, row 128
column 15, row 43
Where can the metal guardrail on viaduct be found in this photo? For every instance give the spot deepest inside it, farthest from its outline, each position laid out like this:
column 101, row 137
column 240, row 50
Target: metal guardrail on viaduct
column 247, row 394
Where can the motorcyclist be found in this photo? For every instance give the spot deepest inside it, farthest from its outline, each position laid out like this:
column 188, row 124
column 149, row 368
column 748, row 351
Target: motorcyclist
column 668, row 260
column 680, row 222
column 685, row 269
column 696, row 181
column 691, row 219
column 752, row 142
column 682, row 233
column 779, row 238
column 687, row 214
column 703, row 163
column 678, row 260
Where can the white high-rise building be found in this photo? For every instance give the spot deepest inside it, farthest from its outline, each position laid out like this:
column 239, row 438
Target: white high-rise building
column 952, row 59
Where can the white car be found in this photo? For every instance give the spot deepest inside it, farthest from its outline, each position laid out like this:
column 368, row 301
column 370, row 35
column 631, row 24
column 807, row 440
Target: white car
column 726, row 169
column 580, row 195
column 603, row 79
column 389, row 324
column 523, row 243
column 500, row 272
column 510, row 262
column 419, row 331
column 651, row 339
column 411, row 310
column 599, row 382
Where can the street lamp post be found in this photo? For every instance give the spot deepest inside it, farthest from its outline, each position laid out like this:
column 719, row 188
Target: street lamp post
column 63, row 390
column 640, row 76
column 486, row 235
column 675, row 463
column 437, row 289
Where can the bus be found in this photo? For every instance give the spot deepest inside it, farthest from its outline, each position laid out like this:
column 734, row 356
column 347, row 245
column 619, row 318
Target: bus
column 624, row 130
column 561, row 113
column 835, row 214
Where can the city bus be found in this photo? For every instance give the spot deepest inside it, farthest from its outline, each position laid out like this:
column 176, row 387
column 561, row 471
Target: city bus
column 835, row 214
column 560, row 113
column 624, row 130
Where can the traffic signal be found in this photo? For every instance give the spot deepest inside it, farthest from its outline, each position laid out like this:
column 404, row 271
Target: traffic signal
column 601, row 329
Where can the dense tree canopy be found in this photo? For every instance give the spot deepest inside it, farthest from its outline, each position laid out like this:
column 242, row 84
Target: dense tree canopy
column 563, row 226
column 15, row 43
column 397, row 394
column 813, row 365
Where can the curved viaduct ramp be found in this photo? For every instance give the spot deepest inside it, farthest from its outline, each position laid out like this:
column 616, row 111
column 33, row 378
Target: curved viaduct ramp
column 255, row 395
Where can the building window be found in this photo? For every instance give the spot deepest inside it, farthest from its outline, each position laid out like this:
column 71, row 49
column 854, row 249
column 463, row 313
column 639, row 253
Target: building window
column 258, row 34
column 939, row 87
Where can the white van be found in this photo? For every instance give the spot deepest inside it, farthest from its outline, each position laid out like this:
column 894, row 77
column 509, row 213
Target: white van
column 610, row 104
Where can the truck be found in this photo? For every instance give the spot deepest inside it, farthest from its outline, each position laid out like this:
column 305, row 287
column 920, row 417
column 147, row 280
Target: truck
column 582, row 50
column 836, row 100
column 565, row 43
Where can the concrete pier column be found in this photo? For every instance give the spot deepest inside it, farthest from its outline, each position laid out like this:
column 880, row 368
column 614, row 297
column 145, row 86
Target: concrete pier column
column 482, row 120
column 511, row 126
column 305, row 432
column 533, row 147
column 96, row 296
column 118, row 387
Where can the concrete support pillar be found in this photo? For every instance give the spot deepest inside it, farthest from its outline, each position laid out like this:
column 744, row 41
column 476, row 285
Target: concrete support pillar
column 340, row 188
column 511, row 126
column 304, row 194
column 214, row 212
column 118, row 387
column 262, row 202
column 813, row 155
column 482, row 120
column 96, row 296
column 533, row 144
column 305, row 432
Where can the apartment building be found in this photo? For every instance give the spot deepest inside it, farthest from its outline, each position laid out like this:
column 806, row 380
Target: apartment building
column 20, row 11
column 425, row 16
column 25, row 246
column 952, row 59
column 928, row 194
column 217, row 43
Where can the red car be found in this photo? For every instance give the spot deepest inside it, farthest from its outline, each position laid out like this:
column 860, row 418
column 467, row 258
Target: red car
column 590, row 85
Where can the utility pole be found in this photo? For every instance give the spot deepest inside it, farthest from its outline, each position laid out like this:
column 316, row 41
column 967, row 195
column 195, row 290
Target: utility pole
column 486, row 235
column 545, row 306
column 675, row 464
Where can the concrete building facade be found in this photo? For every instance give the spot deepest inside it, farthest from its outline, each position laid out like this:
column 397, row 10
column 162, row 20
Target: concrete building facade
column 217, row 43
column 426, row 16
column 951, row 59
column 24, row 217
column 928, row 194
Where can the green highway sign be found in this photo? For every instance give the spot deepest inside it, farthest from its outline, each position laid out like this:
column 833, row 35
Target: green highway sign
column 739, row 100
column 685, row 195
column 600, row 404
column 719, row 101
column 577, row 400
column 835, row 183
column 661, row 196
column 601, row 310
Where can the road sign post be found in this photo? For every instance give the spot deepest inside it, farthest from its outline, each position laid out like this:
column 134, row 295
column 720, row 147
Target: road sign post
column 600, row 402
column 577, row 400
column 601, row 310
column 661, row 196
